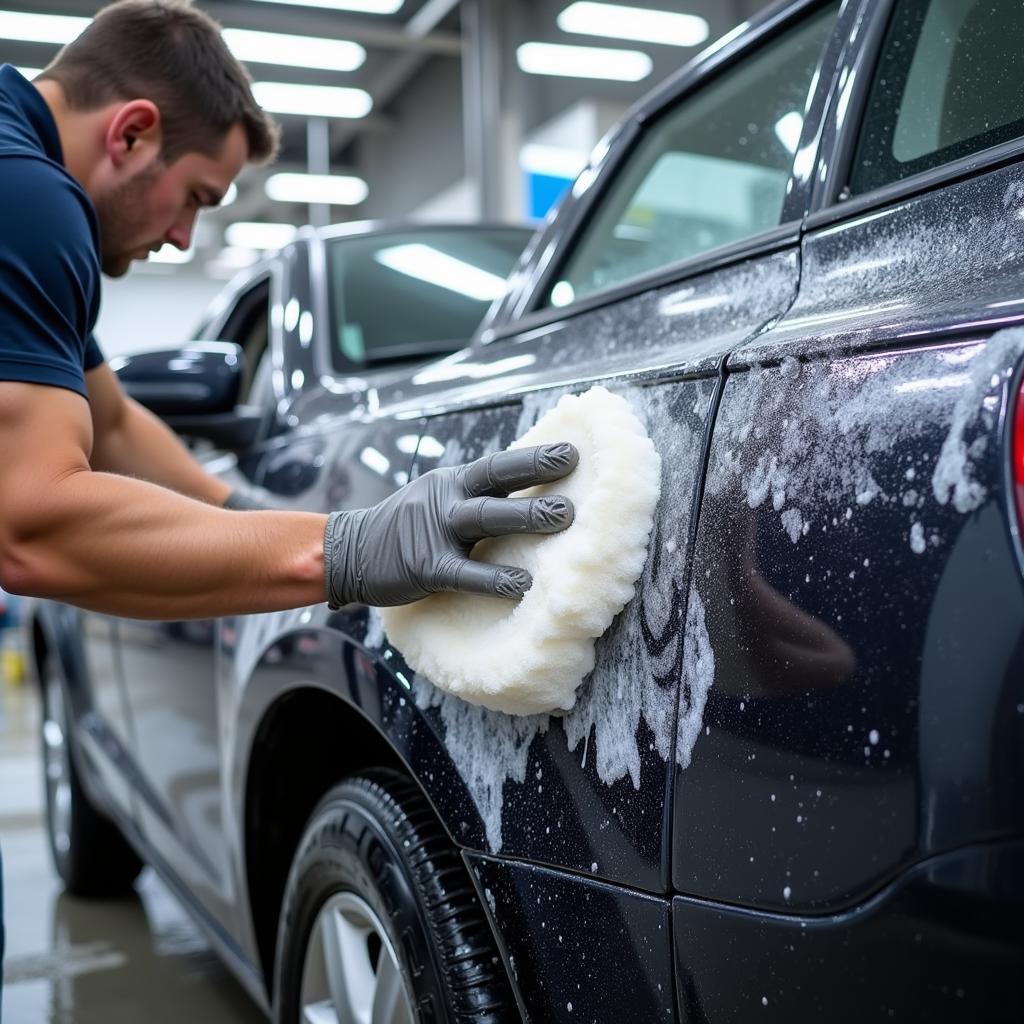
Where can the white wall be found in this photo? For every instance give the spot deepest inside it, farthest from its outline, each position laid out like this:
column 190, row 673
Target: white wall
column 150, row 309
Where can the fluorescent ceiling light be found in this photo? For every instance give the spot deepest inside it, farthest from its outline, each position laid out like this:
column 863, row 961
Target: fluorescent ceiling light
column 555, row 161
column 583, row 62
column 40, row 28
column 788, row 129
column 259, row 235
column 294, row 51
column 312, row 100
column 640, row 23
column 229, row 197
column 435, row 267
column 363, row 6
column 167, row 253
column 29, row 72
column 246, row 45
column 333, row 189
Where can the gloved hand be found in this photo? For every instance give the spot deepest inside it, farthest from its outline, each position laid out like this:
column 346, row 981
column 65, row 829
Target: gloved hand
column 416, row 542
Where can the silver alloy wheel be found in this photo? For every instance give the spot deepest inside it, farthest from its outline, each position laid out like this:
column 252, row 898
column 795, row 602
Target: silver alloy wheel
column 350, row 973
column 56, row 761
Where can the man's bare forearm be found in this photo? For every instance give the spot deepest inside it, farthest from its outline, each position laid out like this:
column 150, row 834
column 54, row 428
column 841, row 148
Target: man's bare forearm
column 143, row 446
column 126, row 547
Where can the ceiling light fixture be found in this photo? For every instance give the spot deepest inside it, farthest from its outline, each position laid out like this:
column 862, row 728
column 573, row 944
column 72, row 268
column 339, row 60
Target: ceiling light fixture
column 40, row 28
column 248, row 234
column 332, row 189
column 638, row 23
column 583, row 62
column 435, row 267
column 254, row 47
column 363, row 6
column 29, row 73
column 294, row 51
column 312, row 100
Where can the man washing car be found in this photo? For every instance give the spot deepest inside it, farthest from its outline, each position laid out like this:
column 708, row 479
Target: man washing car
column 109, row 154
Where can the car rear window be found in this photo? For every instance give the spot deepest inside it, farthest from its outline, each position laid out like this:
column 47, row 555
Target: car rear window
column 412, row 296
column 948, row 84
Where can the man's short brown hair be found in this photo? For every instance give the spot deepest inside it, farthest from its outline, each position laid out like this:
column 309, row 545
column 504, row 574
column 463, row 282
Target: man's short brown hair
column 168, row 52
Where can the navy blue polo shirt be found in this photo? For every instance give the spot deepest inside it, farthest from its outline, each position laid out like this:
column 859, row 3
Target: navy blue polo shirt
column 49, row 249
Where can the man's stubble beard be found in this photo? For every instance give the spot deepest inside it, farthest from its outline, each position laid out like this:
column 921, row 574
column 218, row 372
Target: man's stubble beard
column 122, row 216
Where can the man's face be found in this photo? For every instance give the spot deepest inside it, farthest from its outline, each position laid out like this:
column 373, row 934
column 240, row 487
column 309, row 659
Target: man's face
column 159, row 203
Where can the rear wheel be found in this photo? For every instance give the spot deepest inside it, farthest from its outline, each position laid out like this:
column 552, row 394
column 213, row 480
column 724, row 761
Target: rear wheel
column 380, row 920
column 89, row 852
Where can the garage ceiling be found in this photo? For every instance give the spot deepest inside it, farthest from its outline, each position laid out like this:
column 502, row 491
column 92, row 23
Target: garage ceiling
column 415, row 50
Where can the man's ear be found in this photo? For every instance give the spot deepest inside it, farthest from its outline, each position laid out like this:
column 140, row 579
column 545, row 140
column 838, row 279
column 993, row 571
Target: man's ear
column 133, row 132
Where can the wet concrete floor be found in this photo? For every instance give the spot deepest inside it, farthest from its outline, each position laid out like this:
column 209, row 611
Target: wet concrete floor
column 71, row 961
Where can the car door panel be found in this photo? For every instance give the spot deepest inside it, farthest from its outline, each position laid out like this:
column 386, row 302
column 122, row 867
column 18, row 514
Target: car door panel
column 588, row 791
column 106, row 733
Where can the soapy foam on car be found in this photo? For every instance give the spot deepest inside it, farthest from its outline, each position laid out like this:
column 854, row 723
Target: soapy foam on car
column 530, row 657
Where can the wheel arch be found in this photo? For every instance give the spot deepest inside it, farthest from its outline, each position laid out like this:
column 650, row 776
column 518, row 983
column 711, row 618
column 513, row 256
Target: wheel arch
column 307, row 741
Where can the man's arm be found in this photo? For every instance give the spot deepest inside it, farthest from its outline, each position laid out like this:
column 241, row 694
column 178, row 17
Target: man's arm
column 126, row 547
column 128, row 439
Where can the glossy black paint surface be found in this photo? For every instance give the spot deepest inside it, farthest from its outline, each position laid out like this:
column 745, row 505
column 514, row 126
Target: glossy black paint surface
column 578, row 950
column 940, row 944
column 809, row 722
column 863, row 713
column 201, row 378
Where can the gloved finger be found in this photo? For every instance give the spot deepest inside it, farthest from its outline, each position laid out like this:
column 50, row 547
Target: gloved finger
column 468, row 577
column 503, row 472
column 476, row 518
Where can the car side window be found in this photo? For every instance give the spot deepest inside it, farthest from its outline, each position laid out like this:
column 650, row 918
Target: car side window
column 710, row 171
column 948, row 84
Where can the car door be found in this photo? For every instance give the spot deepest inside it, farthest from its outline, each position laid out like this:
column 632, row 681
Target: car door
column 169, row 671
column 681, row 244
column 862, row 598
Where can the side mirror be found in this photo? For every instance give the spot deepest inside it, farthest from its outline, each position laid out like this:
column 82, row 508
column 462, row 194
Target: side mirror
column 194, row 390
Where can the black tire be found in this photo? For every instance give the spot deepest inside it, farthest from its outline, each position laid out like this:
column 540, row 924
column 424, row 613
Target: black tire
column 375, row 841
column 89, row 852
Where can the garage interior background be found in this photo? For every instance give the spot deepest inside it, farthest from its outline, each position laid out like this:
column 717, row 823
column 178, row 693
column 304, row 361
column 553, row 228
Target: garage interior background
column 425, row 109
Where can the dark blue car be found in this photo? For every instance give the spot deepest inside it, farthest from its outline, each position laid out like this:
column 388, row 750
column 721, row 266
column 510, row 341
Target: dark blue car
column 791, row 790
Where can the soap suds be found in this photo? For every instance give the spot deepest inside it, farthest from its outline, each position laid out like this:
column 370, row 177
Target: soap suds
column 530, row 657
column 826, row 431
column 954, row 473
column 698, row 676
column 639, row 659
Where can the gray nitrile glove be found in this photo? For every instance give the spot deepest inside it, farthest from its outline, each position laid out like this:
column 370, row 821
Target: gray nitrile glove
column 417, row 541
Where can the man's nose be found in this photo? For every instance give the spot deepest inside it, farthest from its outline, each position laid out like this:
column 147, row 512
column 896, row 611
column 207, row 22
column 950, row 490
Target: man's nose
column 180, row 234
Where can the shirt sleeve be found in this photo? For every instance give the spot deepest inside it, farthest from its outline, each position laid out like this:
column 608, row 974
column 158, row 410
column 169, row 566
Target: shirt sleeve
column 93, row 354
column 49, row 276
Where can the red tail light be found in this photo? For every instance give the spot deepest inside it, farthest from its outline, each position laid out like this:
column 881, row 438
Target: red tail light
column 1018, row 456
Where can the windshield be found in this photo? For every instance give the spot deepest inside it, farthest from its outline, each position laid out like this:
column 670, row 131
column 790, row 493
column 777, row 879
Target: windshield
column 416, row 295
